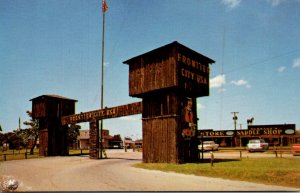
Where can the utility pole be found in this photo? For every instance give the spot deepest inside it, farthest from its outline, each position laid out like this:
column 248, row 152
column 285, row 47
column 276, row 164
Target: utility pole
column 235, row 118
column 104, row 9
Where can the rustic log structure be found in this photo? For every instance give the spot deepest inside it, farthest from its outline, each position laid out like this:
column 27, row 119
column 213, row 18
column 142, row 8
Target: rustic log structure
column 94, row 116
column 94, row 139
column 169, row 79
column 49, row 109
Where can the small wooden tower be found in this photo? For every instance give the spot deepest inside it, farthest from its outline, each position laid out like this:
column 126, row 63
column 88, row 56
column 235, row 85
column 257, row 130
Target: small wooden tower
column 48, row 109
column 169, row 79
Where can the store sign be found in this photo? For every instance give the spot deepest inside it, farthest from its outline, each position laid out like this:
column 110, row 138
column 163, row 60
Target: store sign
column 253, row 130
column 285, row 129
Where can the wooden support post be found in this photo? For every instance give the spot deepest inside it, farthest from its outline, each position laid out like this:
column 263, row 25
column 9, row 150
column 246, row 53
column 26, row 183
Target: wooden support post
column 94, row 139
column 212, row 158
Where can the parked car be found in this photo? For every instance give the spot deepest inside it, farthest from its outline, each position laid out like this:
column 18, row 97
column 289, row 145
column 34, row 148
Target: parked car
column 257, row 145
column 296, row 149
column 209, row 146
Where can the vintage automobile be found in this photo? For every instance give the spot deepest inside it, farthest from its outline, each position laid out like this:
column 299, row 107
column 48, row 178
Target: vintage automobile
column 257, row 145
column 209, row 146
column 296, row 149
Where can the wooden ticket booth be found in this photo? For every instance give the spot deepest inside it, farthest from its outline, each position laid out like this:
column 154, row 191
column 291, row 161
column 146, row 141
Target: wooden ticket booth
column 169, row 79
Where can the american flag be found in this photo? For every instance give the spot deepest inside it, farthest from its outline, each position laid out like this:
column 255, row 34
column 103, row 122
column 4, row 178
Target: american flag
column 104, row 6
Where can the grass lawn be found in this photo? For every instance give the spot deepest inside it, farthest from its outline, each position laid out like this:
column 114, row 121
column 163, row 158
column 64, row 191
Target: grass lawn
column 78, row 151
column 274, row 171
column 18, row 154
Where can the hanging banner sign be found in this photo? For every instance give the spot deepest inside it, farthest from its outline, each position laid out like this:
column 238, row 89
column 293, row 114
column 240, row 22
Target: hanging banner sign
column 106, row 113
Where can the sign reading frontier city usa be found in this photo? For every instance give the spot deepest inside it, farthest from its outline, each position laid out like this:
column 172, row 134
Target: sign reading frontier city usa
column 253, row 130
column 112, row 112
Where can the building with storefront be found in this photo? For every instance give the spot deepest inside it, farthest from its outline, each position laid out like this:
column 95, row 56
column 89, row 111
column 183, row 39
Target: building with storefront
column 275, row 135
column 108, row 140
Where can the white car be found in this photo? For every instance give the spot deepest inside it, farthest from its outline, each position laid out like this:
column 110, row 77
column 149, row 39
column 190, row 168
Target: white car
column 257, row 145
column 209, row 146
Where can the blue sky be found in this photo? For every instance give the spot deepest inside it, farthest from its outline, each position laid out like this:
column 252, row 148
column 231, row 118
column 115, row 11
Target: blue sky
column 54, row 47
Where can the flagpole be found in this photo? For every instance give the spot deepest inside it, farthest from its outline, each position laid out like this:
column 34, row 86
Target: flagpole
column 102, row 83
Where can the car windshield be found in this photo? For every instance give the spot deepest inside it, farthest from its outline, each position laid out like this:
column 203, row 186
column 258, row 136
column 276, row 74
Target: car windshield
column 254, row 141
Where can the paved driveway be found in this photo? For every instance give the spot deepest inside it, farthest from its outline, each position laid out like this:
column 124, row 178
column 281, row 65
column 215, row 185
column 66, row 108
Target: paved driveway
column 80, row 173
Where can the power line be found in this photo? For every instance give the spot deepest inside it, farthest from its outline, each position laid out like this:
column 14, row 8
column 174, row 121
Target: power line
column 262, row 61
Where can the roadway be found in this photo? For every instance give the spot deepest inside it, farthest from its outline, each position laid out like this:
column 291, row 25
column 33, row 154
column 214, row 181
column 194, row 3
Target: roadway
column 79, row 173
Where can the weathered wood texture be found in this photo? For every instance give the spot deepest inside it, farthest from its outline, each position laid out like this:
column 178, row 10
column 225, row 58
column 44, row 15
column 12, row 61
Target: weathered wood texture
column 162, row 130
column 160, row 144
column 165, row 78
column 168, row 67
column 94, row 139
column 43, row 142
column 52, row 106
column 48, row 109
column 106, row 113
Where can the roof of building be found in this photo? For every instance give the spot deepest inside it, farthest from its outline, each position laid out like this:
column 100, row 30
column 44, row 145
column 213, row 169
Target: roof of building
column 168, row 46
column 53, row 96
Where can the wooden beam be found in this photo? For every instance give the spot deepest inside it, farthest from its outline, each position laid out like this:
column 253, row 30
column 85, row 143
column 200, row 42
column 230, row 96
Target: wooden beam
column 106, row 113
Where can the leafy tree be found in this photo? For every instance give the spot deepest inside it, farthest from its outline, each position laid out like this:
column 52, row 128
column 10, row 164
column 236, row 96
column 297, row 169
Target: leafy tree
column 14, row 140
column 1, row 140
column 73, row 133
column 1, row 137
column 30, row 134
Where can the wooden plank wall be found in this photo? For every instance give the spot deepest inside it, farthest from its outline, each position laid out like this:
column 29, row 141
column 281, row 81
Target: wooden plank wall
column 43, row 142
column 162, row 130
column 148, row 74
column 160, row 140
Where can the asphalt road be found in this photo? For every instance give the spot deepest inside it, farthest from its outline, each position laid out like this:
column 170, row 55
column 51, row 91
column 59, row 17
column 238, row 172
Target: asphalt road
column 79, row 173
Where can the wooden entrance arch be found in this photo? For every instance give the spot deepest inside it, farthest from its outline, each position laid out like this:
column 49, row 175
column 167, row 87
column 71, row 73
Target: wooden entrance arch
column 168, row 80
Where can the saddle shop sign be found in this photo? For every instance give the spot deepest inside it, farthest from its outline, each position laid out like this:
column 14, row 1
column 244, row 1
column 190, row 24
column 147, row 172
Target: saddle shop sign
column 253, row 130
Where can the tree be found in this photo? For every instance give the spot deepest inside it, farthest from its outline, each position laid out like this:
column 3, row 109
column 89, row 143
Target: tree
column 73, row 132
column 1, row 137
column 14, row 140
column 30, row 134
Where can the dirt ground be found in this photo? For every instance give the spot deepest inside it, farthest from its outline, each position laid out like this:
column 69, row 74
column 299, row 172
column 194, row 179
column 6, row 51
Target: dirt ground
column 79, row 173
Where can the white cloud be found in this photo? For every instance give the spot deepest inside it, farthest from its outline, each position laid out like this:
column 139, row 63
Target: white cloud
column 231, row 3
column 275, row 3
column 200, row 106
column 241, row 83
column 296, row 63
column 218, row 81
column 281, row 69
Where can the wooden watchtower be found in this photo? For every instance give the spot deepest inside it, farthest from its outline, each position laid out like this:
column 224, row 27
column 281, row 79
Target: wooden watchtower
column 53, row 137
column 169, row 79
